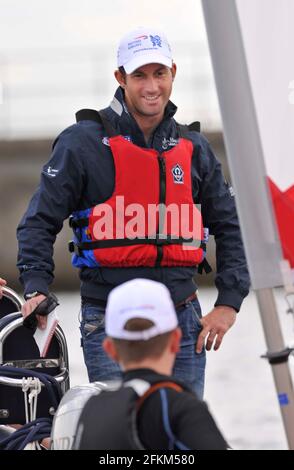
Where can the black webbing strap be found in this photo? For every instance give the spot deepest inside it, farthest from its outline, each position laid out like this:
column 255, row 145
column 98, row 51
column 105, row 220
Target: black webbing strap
column 97, row 116
column 88, row 115
column 129, row 242
column 195, row 126
column 78, row 223
column 184, row 129
column 109, row 129
column 168, row 240
column 204, row 266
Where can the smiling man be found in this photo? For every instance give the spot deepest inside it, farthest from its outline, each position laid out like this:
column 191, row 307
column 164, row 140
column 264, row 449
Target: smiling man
column 108, row 172
column 147, row 91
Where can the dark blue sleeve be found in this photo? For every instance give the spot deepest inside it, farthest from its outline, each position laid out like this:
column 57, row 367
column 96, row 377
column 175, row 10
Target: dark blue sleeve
column 220, row 216
column 58, row 193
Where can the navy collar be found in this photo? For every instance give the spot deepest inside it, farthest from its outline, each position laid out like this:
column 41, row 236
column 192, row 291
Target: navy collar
column 122, row 120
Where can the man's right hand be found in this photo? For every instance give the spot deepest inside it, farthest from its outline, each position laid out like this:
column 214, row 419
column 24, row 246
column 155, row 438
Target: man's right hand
column 30, row 305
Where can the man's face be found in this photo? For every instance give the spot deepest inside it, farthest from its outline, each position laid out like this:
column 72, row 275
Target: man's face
column 147, row 90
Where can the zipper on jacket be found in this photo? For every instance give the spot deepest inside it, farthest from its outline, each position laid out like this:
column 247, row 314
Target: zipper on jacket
column 162, row 208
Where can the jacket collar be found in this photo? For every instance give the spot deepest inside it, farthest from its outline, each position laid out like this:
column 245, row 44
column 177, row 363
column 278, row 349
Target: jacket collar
column 122, row 120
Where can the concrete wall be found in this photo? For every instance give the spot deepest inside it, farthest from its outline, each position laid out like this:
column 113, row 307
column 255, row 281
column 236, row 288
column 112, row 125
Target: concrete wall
column 20, row 166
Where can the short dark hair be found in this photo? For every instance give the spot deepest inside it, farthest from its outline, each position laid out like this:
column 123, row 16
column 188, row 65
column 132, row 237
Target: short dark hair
column 138, row 350
column 122, row 70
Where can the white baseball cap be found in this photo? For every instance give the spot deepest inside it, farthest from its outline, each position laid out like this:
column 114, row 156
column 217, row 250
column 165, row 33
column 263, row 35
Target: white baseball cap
column 143, row 46
column 140, row 298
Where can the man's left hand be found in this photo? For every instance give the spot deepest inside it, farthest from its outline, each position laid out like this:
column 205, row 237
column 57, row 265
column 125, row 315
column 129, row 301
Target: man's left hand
column 215, row 325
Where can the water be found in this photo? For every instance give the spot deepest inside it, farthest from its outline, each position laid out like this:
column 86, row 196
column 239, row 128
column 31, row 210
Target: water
column 240, row 390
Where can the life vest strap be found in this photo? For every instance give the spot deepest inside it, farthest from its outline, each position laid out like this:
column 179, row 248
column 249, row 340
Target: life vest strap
column 204, row 266
column 97, row 116
column 184, row 129
column 88, row 115
column 78, row 223
column 168, row 240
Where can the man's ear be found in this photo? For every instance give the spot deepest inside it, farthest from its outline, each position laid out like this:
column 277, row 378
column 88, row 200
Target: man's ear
column 173, row 70
column 110, row 349
column 120, row 78
column 176, row 336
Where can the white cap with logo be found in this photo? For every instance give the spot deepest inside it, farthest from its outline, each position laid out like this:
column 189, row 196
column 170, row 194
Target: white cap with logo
column 140, row 298
column 143, row 46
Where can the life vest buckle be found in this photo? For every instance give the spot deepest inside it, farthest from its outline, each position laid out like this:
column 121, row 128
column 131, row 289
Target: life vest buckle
column 74, row 248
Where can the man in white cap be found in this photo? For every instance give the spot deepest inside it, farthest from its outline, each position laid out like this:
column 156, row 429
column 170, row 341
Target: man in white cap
column 130, row 177
column 143, row 337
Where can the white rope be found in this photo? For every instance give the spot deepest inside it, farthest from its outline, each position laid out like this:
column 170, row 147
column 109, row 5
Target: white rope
column 26, row 385
column 35, row 387
column 31, row 400
column 33, row 397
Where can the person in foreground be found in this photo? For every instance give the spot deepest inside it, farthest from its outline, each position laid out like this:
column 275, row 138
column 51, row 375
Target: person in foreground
column 150, row 409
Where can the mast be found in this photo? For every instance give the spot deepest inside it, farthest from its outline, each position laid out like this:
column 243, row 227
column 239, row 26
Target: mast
column 245, row 145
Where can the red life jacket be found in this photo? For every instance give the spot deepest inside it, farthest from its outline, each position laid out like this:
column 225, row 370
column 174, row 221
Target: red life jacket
column 151, row 218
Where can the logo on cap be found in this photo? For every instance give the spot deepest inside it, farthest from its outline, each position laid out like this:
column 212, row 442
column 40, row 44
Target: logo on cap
column 178, row 174
column 156, row 40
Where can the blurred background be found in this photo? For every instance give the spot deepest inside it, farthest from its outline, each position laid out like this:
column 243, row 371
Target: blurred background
column 58, row 57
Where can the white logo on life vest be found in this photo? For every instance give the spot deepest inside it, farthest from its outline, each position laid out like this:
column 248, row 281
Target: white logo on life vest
column 169, row 143
column 105, row 140
column 178, row 174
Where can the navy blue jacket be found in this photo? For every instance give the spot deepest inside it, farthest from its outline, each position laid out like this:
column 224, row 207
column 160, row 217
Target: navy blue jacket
column 80, row 175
